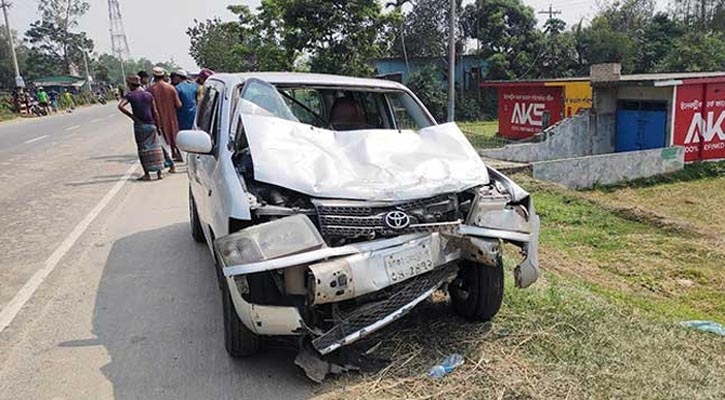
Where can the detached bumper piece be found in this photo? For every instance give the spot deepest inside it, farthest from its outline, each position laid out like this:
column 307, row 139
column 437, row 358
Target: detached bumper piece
column 374, row 316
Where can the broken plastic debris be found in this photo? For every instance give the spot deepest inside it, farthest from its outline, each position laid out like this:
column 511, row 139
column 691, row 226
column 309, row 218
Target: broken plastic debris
column 706, row 326
column 444, row 368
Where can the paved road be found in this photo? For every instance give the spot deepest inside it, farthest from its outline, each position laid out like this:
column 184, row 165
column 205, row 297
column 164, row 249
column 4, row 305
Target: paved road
column 130, row 307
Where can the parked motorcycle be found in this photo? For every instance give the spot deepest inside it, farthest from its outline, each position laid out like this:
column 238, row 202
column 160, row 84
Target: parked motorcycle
column 101, row 99
column 37, row 110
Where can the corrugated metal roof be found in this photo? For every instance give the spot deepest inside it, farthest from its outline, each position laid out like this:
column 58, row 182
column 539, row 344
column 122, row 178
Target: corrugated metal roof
column 659, row 79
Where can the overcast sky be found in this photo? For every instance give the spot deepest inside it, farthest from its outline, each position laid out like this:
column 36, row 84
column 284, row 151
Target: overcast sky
column 156, row 28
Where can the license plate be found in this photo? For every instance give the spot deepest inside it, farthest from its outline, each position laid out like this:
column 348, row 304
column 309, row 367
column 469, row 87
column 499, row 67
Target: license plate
column 408, row 263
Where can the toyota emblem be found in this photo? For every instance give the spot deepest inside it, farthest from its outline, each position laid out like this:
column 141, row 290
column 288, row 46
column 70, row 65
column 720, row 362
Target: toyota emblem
column 396, row 220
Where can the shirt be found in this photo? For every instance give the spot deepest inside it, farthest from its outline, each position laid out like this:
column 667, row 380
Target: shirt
column 42, row 97
column 141, row 105
column 187, row 94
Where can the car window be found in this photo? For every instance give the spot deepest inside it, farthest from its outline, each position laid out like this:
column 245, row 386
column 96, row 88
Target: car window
column 207, row 110
column 407, row 114
column 305, row 104
column 340, row 108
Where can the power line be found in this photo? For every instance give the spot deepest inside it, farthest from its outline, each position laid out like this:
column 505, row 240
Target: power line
column 550, row 11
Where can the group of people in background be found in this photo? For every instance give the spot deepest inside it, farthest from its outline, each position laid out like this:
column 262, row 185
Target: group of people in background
column 48, row 100
column 161, row 105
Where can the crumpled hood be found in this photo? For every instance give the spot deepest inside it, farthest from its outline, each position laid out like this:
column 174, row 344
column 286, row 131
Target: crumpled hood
column 381, row 165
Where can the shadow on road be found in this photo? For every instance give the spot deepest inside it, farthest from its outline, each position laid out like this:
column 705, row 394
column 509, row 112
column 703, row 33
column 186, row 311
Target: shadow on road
column 158, row 314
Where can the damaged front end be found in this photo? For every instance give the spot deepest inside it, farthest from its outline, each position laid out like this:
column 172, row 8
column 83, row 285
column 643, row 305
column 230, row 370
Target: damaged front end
column 338, row 270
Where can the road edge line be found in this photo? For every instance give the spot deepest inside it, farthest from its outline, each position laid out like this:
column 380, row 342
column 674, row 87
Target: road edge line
column 13, row 308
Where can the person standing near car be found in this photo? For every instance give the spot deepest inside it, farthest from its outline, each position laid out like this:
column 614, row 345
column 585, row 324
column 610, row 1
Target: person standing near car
column 187, row 94
column 167, row 101
column 144, row 115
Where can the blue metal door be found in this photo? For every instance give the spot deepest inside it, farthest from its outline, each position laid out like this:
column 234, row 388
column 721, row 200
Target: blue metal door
column 641, row 126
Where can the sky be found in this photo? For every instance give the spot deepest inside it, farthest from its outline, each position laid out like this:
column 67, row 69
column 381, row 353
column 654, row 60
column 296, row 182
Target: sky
column 156, row 29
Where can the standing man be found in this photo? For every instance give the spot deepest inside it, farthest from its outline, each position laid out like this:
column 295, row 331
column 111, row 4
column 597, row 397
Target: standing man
column 53, row 95
column 167, row 101
column 144, row 76
column 43, row 99
column 187, row 94
column 144, row 115
column 204, row 74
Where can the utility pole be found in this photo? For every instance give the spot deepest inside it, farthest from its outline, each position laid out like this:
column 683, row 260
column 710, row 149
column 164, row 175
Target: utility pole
column 452, row 63
column 19, row 82
column 550, row 11
column 88, row 73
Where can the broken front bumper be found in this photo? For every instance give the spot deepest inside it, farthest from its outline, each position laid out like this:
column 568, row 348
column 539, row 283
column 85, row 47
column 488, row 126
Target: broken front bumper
column 409, row 267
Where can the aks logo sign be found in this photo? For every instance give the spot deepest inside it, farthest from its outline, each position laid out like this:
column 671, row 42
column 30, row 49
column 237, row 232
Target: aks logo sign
column 706, row 128
column 528, row 114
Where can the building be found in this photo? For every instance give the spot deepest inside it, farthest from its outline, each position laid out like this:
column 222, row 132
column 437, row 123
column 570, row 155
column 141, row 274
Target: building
column 658, row 110
column 527, row 107
column 469, row 69
column 638, row 126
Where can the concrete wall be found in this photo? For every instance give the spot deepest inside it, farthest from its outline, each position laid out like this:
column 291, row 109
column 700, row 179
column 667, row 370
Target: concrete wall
column 585, row 172
column 567, row 139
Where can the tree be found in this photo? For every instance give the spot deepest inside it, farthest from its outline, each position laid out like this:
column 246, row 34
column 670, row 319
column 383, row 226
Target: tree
column 507, row 35
column 242, row 45
column 694, row 52
column 426, row 84
column 337, row 36
column 55, row 48
column 424, row 29
column 559, row 57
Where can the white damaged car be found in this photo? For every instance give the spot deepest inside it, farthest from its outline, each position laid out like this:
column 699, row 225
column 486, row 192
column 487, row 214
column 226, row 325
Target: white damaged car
column 332, row 206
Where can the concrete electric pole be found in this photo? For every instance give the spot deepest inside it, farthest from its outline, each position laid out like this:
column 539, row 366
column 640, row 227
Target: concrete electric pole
column 19, row 82
column 452, row 63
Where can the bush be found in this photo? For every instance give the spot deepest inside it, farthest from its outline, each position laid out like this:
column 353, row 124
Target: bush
column 426, row 83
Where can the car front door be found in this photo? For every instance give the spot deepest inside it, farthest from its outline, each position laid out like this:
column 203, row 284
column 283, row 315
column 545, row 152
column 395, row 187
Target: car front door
column 202, row 165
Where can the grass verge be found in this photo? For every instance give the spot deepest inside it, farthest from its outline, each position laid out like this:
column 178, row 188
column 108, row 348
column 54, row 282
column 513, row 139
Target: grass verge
column 622, row 267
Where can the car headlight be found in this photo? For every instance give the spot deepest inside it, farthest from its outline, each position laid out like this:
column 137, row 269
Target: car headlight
column 278, row 238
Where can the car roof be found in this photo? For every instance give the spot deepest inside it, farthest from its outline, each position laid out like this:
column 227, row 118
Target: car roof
column 299, row 78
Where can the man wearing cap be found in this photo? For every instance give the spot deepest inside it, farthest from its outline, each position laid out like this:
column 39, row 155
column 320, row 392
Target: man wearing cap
column 187, row 95
column 167, row 101
column 204, row 74
column 144, row 115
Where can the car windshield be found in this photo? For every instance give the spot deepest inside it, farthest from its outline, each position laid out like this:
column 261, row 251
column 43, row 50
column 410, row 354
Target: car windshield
column 335, row 108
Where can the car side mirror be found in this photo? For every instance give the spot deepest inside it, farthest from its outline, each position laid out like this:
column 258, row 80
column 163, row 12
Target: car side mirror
column 194, row 141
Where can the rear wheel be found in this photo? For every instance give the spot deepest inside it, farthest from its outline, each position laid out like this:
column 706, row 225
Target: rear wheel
column 196, row 232
column 477, row 292
column 238, row 339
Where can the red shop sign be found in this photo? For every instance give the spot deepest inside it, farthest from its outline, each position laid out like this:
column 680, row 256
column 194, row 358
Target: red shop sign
column 700, row 121
column 521, row 109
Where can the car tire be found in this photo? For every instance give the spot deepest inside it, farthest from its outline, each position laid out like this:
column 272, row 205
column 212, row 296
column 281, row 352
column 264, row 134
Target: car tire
column 477, row 291
column 238, row 339
column 196, row 232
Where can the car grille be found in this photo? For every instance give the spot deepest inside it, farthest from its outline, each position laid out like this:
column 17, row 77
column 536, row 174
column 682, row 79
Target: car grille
column 359, row 219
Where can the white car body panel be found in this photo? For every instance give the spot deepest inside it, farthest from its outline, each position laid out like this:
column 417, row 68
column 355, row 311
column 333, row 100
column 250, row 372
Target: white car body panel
column 373, row 165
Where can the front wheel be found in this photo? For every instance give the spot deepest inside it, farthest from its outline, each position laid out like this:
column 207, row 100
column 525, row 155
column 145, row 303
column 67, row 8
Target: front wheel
column 477, row 291
column 238, row 339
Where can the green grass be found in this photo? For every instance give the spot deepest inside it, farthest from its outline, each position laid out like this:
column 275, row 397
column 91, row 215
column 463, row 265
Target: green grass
column 482, row 134
column 622, row 267
column 6, row 116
